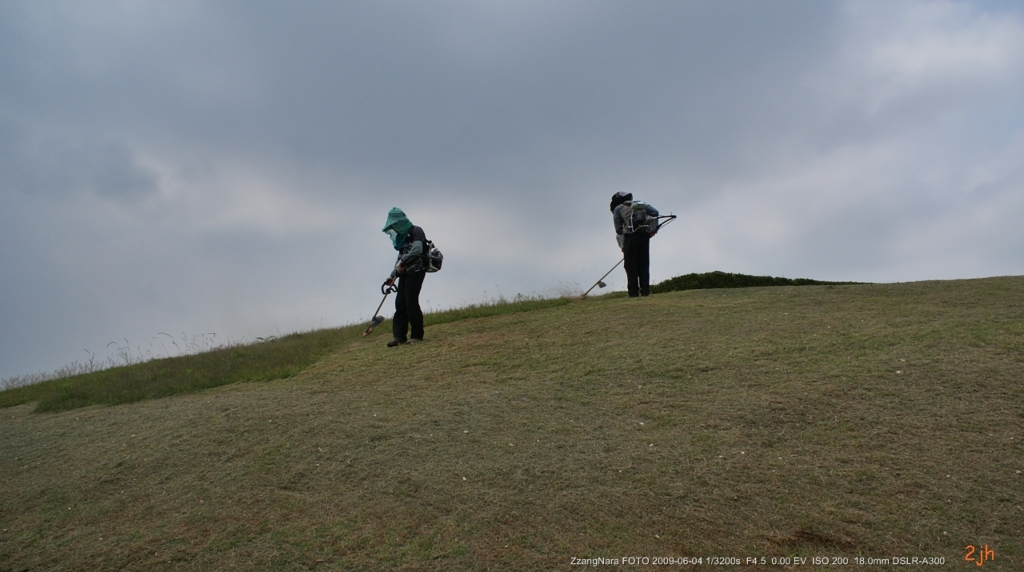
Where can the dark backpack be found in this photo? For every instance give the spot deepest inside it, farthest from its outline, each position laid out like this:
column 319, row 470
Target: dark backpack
column 635, row 219
column 433, row 258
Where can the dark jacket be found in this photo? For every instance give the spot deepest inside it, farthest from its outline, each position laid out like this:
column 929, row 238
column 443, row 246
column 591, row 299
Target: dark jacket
column 413, row 253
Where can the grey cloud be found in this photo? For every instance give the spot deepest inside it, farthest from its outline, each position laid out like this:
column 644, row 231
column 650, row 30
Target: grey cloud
column 632, row 84
column 51, row 166
column 227, row 166
column 379, row 89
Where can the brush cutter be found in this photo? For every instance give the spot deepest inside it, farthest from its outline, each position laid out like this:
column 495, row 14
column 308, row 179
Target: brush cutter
column 378, row 319
column 600, row 281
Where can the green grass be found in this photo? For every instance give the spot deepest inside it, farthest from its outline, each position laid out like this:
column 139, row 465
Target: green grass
column 281, row 358
column 276, row 358
column 867, row 421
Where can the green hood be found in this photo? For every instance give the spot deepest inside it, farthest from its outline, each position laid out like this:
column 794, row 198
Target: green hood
column 400, row 224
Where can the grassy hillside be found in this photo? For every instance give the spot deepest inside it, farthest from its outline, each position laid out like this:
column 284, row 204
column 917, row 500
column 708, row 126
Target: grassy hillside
column 861, row 421
column 271, row 359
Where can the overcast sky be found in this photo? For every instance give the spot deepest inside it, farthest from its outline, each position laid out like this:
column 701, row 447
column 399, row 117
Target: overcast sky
column 194, row 167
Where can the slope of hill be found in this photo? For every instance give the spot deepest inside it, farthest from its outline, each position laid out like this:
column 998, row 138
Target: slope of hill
column 861, row 421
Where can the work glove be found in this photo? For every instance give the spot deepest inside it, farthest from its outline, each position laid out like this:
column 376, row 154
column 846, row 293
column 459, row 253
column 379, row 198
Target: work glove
column 389, row 281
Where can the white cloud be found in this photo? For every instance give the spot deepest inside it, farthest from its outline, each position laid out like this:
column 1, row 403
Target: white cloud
column 907, row 49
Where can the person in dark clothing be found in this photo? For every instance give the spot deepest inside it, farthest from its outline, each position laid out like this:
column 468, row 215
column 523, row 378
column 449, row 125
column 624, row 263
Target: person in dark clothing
column 410, row 269
column 634, row 238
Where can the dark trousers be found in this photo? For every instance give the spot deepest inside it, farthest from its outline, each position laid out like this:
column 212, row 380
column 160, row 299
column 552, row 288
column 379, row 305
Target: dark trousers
column 407, row 306
column 636, row 248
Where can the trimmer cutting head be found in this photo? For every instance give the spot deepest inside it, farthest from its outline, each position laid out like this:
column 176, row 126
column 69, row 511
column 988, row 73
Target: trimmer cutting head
column 376, row 321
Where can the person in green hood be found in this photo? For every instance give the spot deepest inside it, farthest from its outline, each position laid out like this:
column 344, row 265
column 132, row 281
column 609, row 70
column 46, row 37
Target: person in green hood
column 410, row 269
